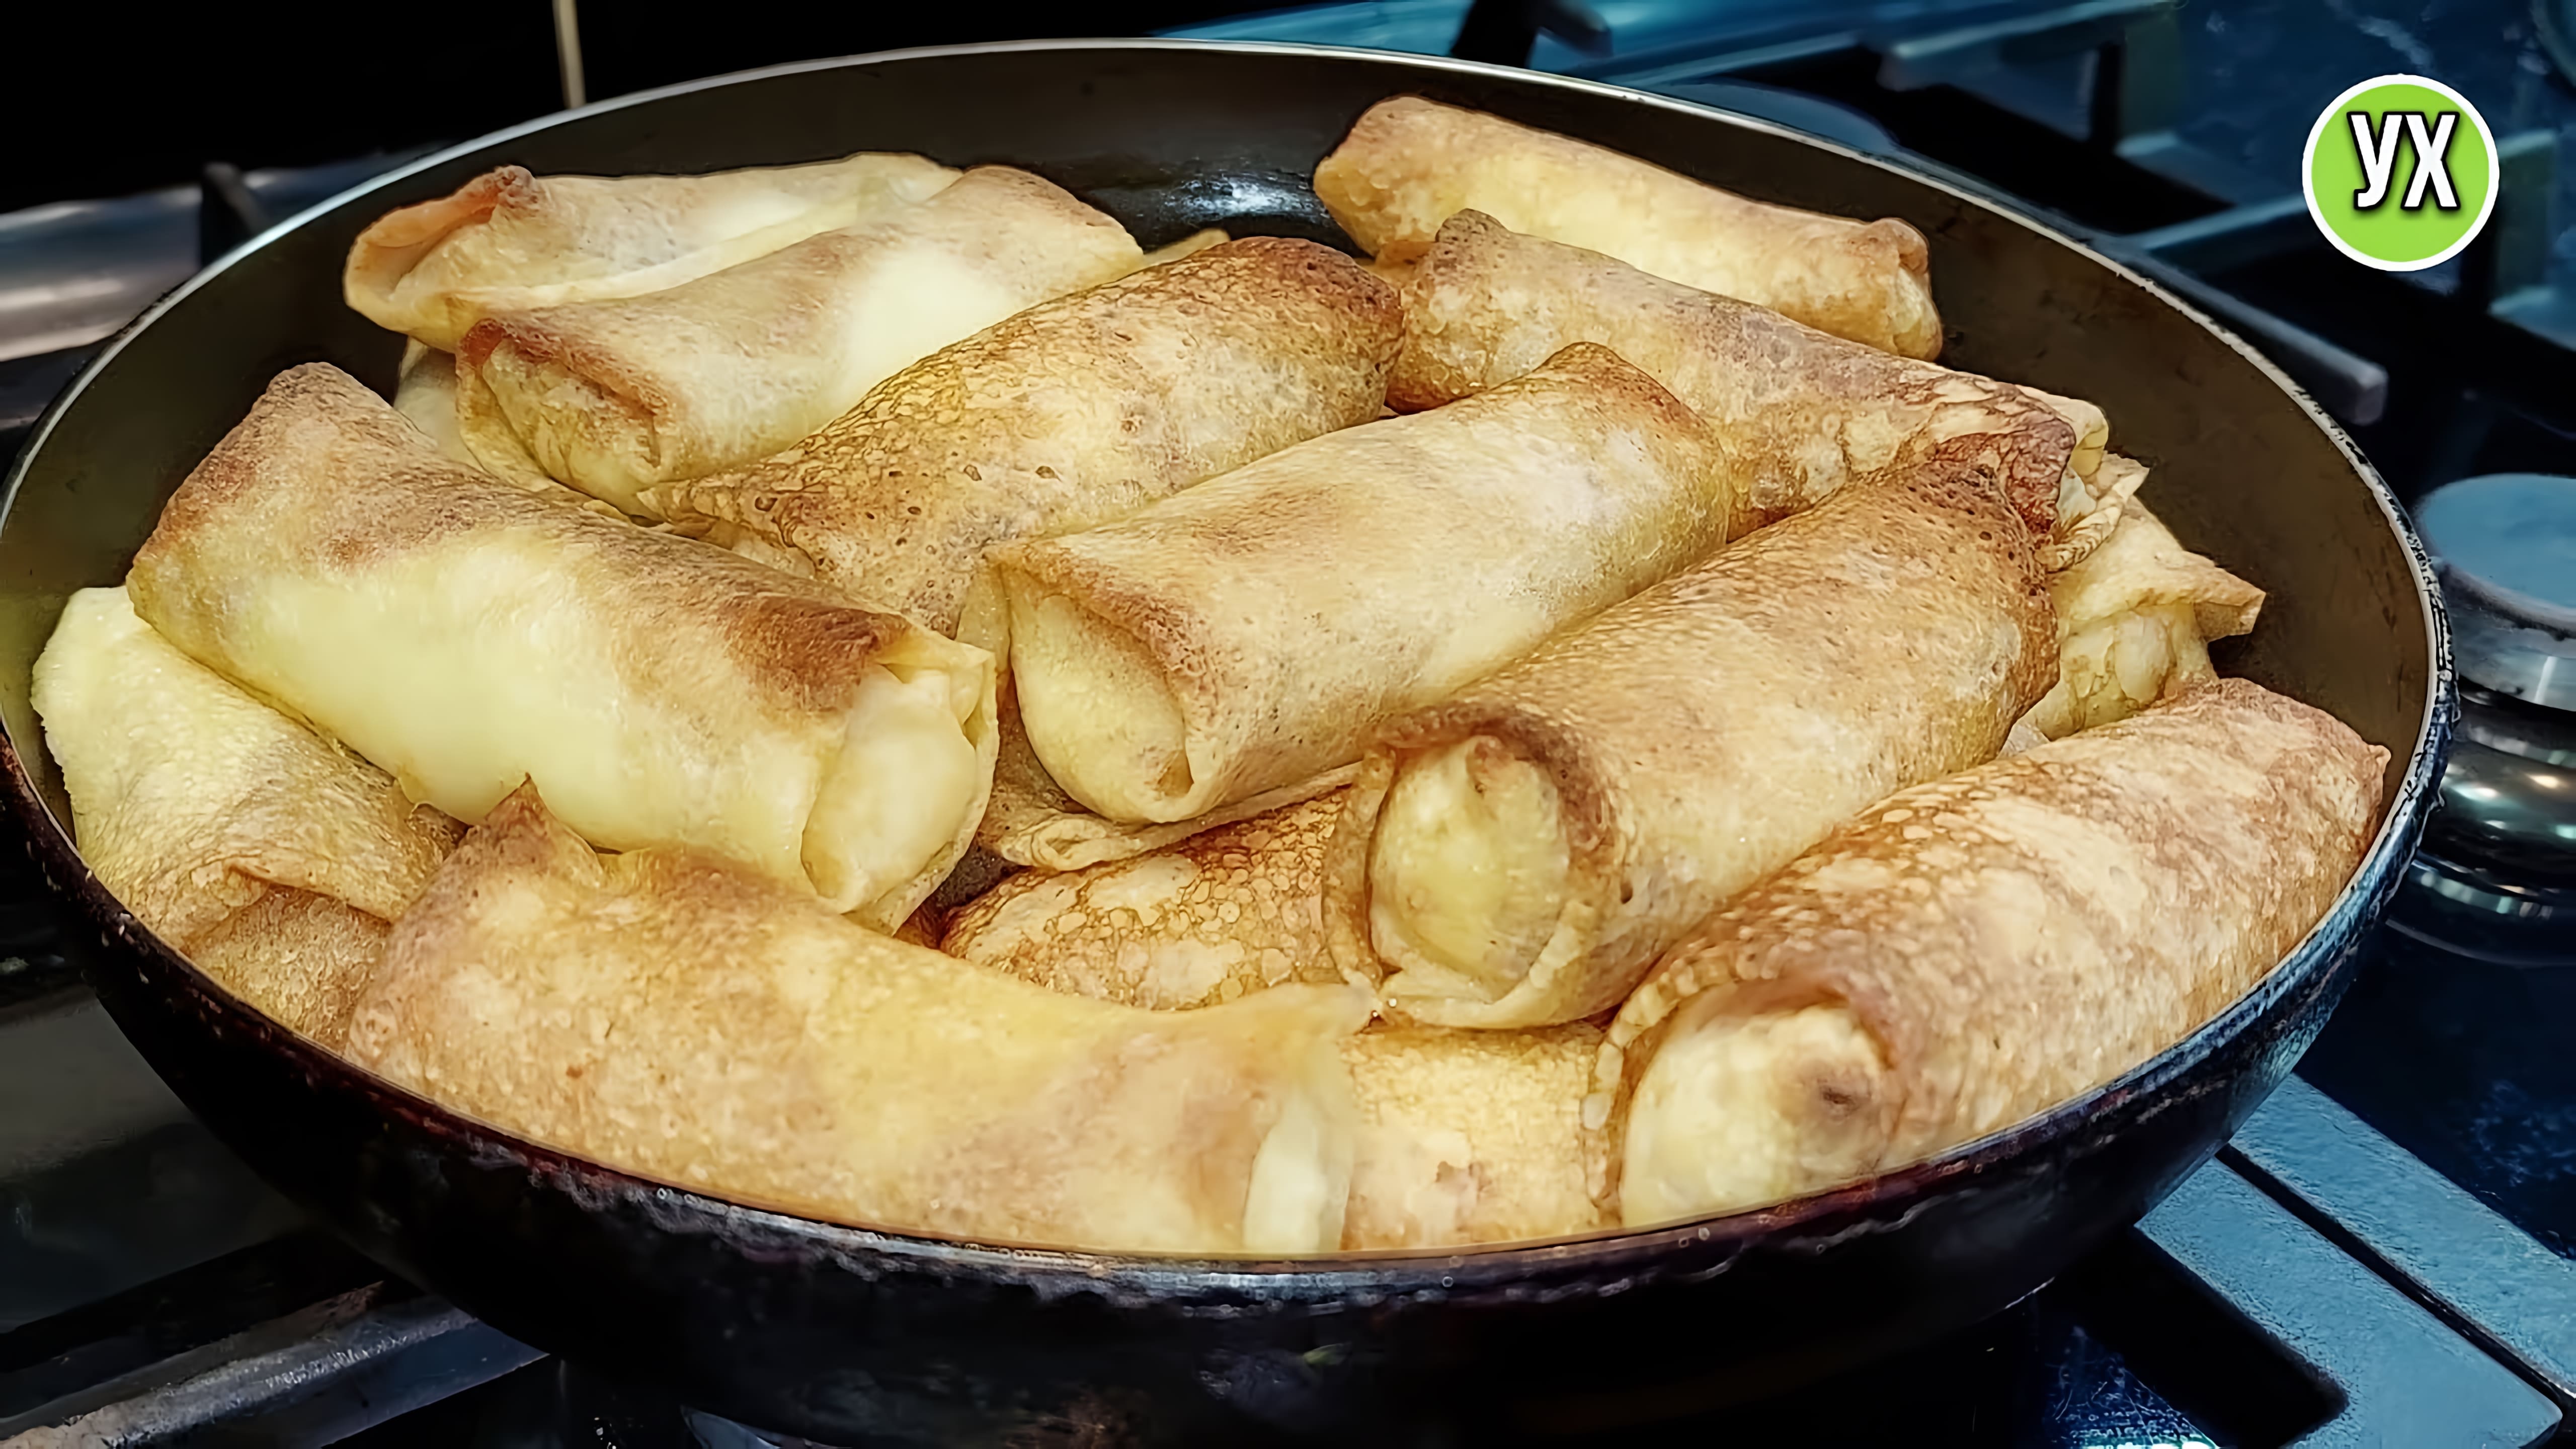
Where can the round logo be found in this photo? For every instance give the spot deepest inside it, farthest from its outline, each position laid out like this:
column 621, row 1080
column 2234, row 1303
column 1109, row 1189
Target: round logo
column 2401, row 173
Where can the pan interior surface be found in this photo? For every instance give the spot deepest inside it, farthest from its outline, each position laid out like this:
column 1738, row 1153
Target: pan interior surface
column 1171, row 137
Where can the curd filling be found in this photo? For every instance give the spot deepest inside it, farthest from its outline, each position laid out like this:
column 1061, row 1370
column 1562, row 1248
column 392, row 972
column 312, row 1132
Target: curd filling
column 1467, row 870
column 900, row 788
column 1727, row 1116
column 1098, row 713
column 1293, row 1203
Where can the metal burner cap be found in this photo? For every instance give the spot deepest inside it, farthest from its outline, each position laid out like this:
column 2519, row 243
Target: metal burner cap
column 2506, row 546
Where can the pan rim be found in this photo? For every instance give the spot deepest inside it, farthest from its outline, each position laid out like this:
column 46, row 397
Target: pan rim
column 1460, row 1271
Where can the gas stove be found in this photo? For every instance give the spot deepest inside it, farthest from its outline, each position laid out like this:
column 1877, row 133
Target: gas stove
column 2383, row 1254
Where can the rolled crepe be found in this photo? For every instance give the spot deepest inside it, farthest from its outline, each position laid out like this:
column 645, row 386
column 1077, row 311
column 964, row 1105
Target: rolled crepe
column 1469, row 1136
column 1411, row 164
column 608, row 1007
column 1796, row 413
column 613, row 397
column 1218, row 916
column 1976, row 950
column 508, row 241
column 1075, row 412
column 269, row 857
column 2134, row 621
column 466, row 636
column 425, row 393
column 1521, row 853
column 1242, row 636
column 1031, row 821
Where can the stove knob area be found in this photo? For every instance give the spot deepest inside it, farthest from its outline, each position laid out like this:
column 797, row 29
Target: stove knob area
column 2501, row 850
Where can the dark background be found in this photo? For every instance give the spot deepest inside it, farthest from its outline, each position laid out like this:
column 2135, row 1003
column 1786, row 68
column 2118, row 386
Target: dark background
column 103, row 100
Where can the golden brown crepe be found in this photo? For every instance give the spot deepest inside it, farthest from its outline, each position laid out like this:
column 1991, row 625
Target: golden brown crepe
column 2092, row 427
column 1978, row 949
column 1242, row 636
column 1797, row 414
column 1031, row 821
column 1411, row 164
column 1521, row 853
column 467, row 636
column 2134, row 621
column 426, row 394
column 1469, row 1136
column 614, row 397
column 608, row 1006
column 1073, row 413
column 508, row 241
column 271, row 858
column 1221, row 915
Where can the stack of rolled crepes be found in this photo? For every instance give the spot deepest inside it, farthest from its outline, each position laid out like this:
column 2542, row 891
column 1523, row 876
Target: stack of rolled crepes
column 1645, row 719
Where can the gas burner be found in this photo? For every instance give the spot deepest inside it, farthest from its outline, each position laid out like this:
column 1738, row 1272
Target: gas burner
column 2497, row 873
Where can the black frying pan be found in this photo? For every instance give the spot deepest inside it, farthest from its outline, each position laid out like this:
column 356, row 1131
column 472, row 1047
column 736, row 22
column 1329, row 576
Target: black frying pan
column 844, row 1334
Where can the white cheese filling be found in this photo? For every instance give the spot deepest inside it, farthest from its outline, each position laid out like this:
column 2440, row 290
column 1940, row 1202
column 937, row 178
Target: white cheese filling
column 1723, row 1118
column 1467, row 870
column 1293, row 1203
column 1097, row 712
column 899, row 790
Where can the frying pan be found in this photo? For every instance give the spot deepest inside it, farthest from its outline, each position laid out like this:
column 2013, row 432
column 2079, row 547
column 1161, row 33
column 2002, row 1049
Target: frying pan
column 843, row 1334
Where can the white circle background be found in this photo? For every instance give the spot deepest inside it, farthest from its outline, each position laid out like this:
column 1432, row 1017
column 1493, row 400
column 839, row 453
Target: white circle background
column 2486, row 208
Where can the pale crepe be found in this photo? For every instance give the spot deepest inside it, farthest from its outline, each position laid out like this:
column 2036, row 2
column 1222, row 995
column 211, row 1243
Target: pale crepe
column 1469, row 1136
column 614, row 397
column 425, row 393
column 1219, row 916
column 467, row 636
column 508, row 241
column 268, row 856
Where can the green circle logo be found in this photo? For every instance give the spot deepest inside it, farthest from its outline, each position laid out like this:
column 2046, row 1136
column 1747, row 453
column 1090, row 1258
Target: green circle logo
column 2401, row 173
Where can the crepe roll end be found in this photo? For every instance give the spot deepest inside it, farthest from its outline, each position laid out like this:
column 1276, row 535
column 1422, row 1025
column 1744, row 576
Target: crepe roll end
column 1298, row 1190
column 396, row 242
column 1468, row 872
column 1914, row 323
column 2092, row 428
column 1098, row 711
column 898, row 801
column 525, row 414
column 1739, row 1111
